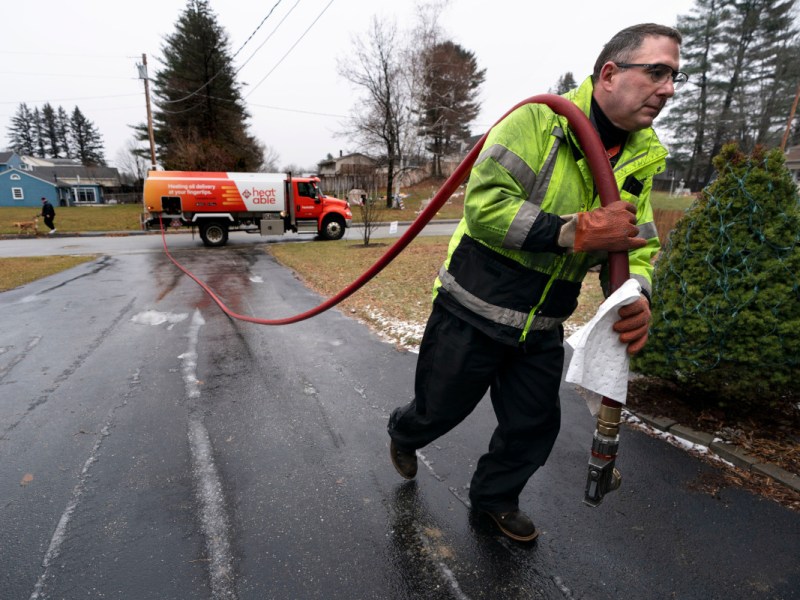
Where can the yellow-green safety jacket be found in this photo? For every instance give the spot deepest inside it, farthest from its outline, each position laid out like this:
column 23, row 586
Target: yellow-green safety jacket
column 505, row 273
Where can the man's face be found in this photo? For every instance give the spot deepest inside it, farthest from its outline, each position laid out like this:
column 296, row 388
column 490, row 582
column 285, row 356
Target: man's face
column 633, row 98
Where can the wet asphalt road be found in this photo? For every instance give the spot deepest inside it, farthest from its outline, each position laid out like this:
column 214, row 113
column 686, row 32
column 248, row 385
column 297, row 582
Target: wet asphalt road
column 152, row 448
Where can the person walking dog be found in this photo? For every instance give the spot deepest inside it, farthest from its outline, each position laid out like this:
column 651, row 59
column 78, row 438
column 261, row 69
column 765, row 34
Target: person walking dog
column 48, row 214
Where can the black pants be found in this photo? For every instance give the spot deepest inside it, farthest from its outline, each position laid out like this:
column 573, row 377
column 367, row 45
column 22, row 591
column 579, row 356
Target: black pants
column 49, row 222
column 457, row 364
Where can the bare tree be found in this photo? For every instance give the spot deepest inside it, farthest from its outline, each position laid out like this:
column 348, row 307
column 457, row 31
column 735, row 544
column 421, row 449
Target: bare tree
column 133, row 161
column 380, row 117
column 271, row 159
column 371, row 216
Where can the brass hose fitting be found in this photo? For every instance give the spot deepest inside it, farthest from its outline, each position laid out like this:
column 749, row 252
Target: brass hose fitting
column 608, row 420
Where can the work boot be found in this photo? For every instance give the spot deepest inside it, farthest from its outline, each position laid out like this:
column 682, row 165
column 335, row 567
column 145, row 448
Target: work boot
column 515, row 524
column 404, row 462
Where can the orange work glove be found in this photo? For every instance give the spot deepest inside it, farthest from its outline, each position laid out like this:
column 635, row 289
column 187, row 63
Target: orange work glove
column 633, row 323
column 611, row 228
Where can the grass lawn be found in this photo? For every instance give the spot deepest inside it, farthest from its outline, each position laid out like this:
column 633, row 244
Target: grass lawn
column 15, row 272
column 664, row 201
column 402, row 291
column 74, row 219
column 125, row 217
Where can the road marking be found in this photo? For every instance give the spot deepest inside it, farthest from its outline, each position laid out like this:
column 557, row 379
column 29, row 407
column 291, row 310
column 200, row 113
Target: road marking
column 214, row 520
column 427, row 462
column 427, row 538
column 54, row 549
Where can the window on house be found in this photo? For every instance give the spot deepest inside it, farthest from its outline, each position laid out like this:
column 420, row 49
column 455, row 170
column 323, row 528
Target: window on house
column 15, row 177
column 17, row 193
column 85, row 195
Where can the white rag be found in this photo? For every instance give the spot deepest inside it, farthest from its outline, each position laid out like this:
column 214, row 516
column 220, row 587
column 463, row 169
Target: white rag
column 600, row 361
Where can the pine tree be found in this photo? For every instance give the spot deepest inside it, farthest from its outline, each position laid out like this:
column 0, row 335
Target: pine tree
column 743, row 61
column 50, row 131
column 689, row 109
column 62, row 133
column 726, row 301
column 449, row 98
column 21, row 132
column 772, row 78
column 86, row 140
column 564, row 84
column 200, row 121
column 38, row 134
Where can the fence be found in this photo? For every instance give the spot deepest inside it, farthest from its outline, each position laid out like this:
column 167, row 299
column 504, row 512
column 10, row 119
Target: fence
column 665, row 221
column 123, row 198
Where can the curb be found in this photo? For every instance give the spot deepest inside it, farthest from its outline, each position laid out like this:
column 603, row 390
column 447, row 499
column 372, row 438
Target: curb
column 727, row 452
column 18, row 236
column 72, row 234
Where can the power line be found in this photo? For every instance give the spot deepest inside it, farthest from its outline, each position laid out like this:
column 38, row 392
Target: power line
column 296, row 110
column 73, row 76
column 269, row 36
column 17, row 53
column 218, row 73
column 67, row 99
column 264, row 20
column 290, row 49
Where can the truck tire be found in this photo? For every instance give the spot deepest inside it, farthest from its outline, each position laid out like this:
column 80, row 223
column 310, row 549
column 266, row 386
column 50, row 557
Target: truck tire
column 332, row 228
column 214, row 233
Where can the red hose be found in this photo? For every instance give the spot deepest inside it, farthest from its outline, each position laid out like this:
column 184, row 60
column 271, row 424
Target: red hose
column 598, row 164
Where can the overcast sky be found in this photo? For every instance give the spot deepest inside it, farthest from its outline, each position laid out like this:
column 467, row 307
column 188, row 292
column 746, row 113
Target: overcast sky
column 84, row 53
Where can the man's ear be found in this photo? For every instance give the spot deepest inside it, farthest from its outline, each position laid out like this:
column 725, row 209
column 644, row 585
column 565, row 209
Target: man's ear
column 607, row 73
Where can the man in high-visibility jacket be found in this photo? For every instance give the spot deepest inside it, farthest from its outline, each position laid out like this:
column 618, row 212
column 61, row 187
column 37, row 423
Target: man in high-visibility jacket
column 532, row 227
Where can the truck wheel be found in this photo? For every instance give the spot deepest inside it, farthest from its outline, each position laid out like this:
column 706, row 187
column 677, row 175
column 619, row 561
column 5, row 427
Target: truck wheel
column 214, row 234
column 332, row 228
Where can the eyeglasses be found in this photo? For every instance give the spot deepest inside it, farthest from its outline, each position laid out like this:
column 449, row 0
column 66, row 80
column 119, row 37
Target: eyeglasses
column 659, row 73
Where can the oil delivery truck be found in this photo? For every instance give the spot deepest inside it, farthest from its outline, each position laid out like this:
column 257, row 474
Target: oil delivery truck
column 265, row 203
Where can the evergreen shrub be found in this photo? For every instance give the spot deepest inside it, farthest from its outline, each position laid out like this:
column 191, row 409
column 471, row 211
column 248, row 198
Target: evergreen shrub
column 726, row 301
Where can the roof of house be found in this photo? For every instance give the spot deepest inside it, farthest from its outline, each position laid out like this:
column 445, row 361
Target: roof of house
column 102, row 175
column 4, row 156
column 35, row 161
column 73, row 175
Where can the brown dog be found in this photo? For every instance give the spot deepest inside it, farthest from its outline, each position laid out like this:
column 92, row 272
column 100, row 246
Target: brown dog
column 31, row 226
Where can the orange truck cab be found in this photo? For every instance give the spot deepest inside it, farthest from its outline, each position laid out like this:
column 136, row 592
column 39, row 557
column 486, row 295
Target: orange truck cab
column 265, row 203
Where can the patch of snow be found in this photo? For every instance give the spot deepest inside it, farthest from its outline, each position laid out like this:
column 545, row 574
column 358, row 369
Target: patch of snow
column 406, row 334
column 156, row 318
column 670, row 438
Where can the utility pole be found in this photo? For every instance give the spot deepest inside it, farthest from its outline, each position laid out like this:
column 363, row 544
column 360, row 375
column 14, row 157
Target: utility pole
column 143, row 75
column 791, row 118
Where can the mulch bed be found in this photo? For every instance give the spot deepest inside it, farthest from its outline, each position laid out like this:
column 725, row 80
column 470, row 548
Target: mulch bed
column 770, row 434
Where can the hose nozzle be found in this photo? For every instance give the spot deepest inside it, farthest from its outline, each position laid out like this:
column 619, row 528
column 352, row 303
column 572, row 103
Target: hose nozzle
column 603, row 475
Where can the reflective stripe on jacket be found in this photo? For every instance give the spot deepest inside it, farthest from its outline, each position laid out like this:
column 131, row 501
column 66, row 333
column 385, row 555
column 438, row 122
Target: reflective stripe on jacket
column 504, row 272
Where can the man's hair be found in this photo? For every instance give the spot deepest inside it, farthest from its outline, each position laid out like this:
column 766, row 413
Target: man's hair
column 624, row 44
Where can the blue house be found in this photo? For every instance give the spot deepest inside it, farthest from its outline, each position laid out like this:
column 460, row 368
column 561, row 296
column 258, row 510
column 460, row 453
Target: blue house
column 25, row 180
